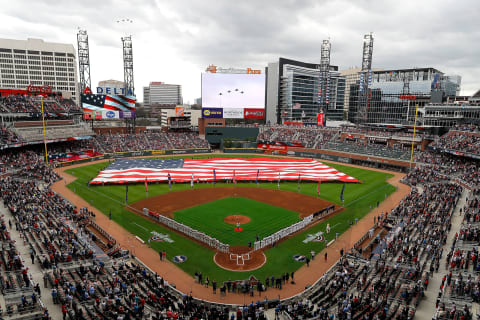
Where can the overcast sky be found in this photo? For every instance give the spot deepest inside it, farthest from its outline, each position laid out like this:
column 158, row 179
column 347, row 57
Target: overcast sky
column 174, row 41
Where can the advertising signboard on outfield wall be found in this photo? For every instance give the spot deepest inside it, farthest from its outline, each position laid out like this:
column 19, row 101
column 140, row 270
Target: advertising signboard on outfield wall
column 109, row 114
column 250, row 113
column 212, row 113
column 127, row 114
column 233, row 113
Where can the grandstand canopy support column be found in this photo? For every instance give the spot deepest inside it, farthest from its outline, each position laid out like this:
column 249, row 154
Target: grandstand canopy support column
column 413, row 138
column 44, row 132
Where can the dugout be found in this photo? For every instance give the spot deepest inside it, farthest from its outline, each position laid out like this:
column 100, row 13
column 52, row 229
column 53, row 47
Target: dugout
column 217, row 136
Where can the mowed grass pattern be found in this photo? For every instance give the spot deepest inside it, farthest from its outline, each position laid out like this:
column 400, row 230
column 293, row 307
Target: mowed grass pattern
column 359, row 199
column 209, row 218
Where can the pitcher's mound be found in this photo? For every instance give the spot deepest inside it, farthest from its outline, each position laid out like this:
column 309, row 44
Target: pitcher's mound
column 234, row 219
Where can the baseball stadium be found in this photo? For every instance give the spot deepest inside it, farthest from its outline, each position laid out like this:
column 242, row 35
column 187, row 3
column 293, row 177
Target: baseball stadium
column 234, row 210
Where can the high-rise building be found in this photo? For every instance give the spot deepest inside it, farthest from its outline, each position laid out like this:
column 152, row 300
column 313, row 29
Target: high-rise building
column 293, row 92
column 159, row 93
column 36, row 62
column 393, row 94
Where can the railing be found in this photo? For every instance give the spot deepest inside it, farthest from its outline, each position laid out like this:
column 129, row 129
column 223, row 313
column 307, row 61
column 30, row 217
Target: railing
column 285, row 232
column 103, row 232
column 186, row 230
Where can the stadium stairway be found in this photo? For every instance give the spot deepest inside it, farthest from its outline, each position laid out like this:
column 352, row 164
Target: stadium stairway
column 426, row 309
column 34, row 269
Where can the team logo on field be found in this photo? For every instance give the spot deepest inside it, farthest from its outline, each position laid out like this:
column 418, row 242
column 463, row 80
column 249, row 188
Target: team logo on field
column 179, row 259
column 160, row 237
column 316, row 237
column 299, row 258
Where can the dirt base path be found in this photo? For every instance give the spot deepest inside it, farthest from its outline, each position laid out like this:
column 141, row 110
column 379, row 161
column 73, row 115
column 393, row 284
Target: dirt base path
column 185, row 283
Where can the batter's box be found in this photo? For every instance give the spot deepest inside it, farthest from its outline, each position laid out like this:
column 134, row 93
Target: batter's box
column 246, row 256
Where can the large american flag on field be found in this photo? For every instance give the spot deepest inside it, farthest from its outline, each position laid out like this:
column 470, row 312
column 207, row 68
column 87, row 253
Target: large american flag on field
column 181, row 170
column 99, row 102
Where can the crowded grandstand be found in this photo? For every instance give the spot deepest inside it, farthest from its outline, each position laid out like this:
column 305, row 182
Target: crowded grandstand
column 430, row 239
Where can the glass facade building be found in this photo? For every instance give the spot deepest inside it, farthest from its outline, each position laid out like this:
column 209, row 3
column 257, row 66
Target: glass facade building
column 293, row 92
column 393, row 95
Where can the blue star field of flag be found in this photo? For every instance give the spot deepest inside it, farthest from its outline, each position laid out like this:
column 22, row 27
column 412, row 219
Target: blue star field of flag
column 125, row 164
column 97, row 100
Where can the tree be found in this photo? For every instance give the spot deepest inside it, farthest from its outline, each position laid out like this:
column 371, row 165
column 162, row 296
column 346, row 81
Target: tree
column 227, row 143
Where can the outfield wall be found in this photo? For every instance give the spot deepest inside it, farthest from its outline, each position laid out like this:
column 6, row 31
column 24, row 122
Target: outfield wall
column 328, row 155
column 353, row 158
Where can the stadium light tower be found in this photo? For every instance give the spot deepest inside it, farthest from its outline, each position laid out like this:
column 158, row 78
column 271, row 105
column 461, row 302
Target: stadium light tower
column 128, row 65
column 83, row 60
column 323, row 83
column 365, row 78
column 127, row 56
column 129, row 84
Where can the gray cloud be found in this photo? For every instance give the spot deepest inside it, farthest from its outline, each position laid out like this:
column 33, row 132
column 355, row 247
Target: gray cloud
column 174, row 41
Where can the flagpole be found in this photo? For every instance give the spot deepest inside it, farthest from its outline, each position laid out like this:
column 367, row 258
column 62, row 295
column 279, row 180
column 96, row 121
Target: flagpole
column 299, row 178
column 44, row 132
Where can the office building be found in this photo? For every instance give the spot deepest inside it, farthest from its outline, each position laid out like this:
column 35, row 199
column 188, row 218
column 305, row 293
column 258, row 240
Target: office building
column 38, row 63
column 293, row 92
column 160, row 93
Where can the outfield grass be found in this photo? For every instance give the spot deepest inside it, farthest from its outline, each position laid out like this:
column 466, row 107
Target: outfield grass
column 265, row 219
column 359, row 199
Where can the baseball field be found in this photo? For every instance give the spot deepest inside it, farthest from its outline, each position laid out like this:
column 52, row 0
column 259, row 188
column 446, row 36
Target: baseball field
column 210, row 216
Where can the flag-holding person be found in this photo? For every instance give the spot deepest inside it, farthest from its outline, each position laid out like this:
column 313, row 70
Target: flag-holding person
column 146, row 186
